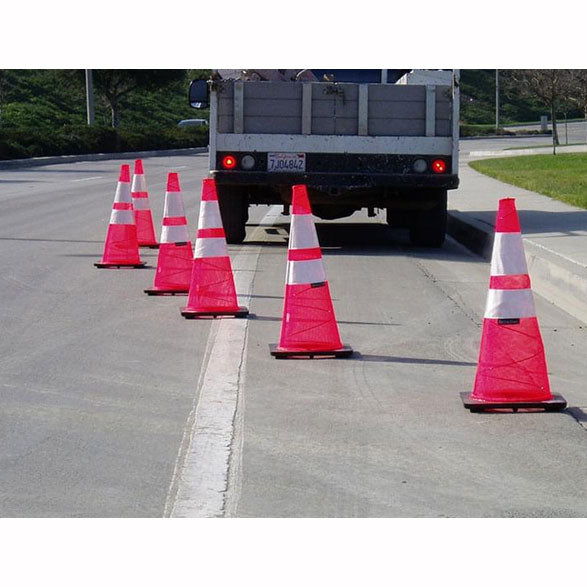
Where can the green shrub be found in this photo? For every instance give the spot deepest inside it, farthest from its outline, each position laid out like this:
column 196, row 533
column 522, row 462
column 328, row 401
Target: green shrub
column 20, row 143
column 10, row 149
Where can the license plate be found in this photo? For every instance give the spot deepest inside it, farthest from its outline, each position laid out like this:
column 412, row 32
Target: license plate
column 286, row 162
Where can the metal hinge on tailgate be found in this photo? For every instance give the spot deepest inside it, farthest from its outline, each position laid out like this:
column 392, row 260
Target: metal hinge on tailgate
column 335, row 90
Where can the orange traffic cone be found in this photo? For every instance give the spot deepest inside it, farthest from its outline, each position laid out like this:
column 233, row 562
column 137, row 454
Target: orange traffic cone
column 175, row 259
column 140, row 202
column 121, row 248
column 212, row 291
column 308, row 327
column 511, row 372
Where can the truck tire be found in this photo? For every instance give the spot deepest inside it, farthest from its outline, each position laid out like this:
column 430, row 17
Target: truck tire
column 234, row 210
column 428, row 227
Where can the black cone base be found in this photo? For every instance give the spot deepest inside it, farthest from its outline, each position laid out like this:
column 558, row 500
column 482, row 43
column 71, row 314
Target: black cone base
column 556, row 404
column 242, row 312
column 345, row 351
column 166, row 292
column 119, row 265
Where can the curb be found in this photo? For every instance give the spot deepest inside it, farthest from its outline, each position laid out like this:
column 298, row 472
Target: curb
column 561, row 149
column 559, row 280
column 36, row 161
column 512, row 136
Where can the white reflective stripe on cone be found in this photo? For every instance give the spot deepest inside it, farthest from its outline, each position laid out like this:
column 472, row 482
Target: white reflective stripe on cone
column 209, row 215
column 123, row 193
column 139, row 184
column 508, row 254
column 299, row 272
column 173, row 205
column 122, row 217
column 175, row 234
column 510, row 303
column 303, row 232
column 210, row 247
column 140, row 203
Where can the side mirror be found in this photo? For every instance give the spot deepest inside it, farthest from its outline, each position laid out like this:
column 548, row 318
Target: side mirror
column 199, row 94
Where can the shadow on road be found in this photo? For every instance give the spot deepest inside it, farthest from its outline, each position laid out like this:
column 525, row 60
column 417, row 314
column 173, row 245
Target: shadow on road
column 578, row 414
column 412, row 360
column 47, row 240
column 44, row 169
column 540, row 221
column 363, row 239
column 18, row 180
column 274, row 319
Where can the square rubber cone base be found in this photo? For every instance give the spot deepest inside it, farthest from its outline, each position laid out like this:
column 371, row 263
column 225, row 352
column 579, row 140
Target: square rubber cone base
column 120, row 265
column 345, row 351
column 166, row 292
column 556, row 404
column 151, row 246
column 242, row 312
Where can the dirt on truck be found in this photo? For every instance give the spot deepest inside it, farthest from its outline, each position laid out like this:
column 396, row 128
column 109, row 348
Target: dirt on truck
column 374, row 139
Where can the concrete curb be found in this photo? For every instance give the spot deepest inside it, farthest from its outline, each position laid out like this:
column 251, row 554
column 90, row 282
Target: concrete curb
column 470, row 232
column 529, row 151
column 512, row 136
column 36, row 161
column 559, row 280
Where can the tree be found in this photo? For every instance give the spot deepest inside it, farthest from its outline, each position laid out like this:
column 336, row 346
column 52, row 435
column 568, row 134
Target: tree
column 4, row 83
column 115, row 84
column 578, row 93
column 2, row 78
column 551, row 86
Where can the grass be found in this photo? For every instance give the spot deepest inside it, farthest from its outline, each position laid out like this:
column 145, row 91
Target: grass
column 562, row 176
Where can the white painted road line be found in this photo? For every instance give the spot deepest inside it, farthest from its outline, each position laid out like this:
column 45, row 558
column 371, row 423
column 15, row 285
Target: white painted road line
column 87, row 178
column 200, row 480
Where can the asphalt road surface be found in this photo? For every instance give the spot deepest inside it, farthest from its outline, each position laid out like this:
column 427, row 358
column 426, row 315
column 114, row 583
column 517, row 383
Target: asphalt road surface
column 113, row 405
column 568, row 132
column 573, row 133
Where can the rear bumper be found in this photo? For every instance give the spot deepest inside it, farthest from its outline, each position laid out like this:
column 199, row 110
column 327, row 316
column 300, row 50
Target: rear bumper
column 339, row 180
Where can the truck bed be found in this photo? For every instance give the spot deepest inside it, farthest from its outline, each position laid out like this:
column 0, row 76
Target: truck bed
column 334, row 109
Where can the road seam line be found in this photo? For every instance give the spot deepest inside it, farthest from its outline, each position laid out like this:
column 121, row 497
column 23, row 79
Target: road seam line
column 201, row 477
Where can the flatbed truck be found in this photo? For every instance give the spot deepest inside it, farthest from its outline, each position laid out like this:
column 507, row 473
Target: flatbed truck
column 358, row 139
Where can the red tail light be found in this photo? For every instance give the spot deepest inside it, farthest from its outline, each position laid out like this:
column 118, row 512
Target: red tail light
column 229, row 162
column 439, row 166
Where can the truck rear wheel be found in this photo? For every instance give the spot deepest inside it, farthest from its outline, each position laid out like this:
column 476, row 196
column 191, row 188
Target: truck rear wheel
column 428, row 227
column 234, row 209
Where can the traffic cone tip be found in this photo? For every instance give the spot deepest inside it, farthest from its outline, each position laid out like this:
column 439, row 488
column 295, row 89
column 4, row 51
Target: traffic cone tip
column 300, row 201
column 507, row 216
column 173, row 182
column 124, row 173
column 209, row 190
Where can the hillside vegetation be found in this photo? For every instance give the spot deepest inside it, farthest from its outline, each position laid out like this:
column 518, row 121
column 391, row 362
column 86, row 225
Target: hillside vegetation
column 48, row 99
column 43, row 112
column 478, row 101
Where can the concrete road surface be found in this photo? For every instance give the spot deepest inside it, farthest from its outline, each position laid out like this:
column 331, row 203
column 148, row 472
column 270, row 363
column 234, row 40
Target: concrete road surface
column 113, row 405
